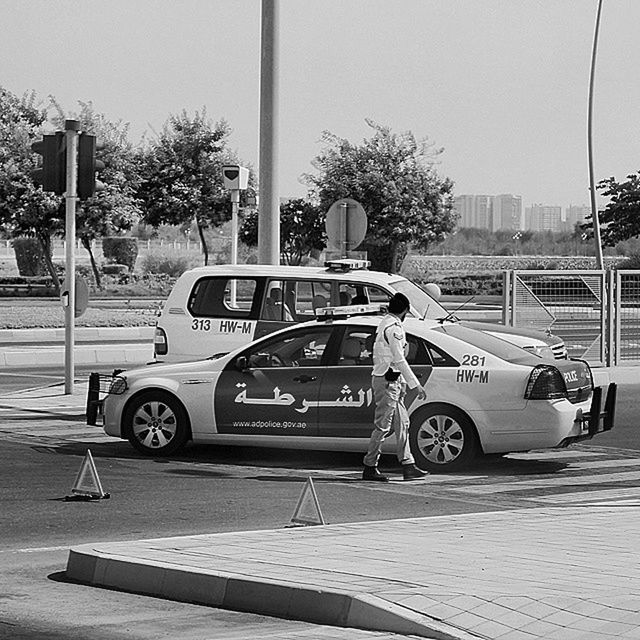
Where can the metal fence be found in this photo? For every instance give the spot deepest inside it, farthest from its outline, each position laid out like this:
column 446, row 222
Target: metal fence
column 596, row 313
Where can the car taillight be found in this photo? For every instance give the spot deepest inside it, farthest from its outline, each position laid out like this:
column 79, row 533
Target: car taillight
column 160, row 345
column 545, row 383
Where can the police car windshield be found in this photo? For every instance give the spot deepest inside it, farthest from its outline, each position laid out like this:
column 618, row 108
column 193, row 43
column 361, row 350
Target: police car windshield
column 485, row 341
column 423, row 304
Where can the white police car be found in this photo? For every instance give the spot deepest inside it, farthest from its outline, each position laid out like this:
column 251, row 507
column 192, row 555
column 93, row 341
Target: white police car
column 218, row 308
column 309, row 387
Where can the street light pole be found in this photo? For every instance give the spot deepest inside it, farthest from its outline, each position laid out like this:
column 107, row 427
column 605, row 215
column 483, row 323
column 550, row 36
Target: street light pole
column 592, row 186
column 269, row 210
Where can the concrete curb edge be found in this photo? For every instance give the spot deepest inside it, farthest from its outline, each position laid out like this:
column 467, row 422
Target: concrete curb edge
column 241, row 593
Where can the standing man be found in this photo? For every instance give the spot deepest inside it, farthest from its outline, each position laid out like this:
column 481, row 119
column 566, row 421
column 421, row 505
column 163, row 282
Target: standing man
column 390, row 378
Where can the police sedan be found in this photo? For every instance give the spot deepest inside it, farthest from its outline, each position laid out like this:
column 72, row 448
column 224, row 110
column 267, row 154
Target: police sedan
column 309, row 387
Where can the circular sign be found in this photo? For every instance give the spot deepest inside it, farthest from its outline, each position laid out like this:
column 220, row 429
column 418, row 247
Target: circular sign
column 346, row 224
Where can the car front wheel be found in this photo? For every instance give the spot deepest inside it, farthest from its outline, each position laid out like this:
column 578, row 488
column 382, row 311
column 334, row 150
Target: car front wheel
column 156, row 424
column 442, row 439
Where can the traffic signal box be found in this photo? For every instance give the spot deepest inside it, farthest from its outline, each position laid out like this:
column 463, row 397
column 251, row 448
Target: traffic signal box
column 87, row 166
column 52, row 175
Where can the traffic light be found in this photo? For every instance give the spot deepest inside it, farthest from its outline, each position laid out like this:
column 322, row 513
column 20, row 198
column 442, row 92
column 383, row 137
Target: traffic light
column 52, row 175
column 87, row 166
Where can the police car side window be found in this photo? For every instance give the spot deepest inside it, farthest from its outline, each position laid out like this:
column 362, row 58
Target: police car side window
column 378, row 295
column 357, row 347
column 302, row 349
column 222, row 298
column 311, row 295
column 438, row 357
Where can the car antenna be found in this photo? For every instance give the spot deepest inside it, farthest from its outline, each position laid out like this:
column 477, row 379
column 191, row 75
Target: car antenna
column 452, row 314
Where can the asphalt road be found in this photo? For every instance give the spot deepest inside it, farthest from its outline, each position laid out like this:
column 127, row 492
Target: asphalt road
column 214, row 489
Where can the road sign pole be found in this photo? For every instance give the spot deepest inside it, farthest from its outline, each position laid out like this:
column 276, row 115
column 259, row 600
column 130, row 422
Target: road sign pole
column 344, row 228
column 69, row 295
column 235, row 203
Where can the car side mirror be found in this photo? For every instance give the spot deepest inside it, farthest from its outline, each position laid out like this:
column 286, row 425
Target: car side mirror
column 242, row 364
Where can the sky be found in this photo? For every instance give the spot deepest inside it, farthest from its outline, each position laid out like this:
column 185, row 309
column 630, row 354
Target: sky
column 501, row 85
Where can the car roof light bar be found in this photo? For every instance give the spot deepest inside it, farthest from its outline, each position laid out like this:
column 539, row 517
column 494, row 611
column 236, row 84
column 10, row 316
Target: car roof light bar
column 346, row 311
column 347, row 264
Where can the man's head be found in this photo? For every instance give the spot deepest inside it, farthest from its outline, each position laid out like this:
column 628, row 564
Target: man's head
column 399, row 305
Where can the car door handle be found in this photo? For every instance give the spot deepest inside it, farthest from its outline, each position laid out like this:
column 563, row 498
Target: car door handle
column 305, row 378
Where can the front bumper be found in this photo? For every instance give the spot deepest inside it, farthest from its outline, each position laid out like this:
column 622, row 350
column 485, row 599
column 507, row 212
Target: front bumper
column 100, row 385
column 598, row 419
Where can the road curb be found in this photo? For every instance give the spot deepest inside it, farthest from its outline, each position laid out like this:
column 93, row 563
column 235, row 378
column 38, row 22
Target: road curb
column 81, row 334
column 259, row 596
column 123, row 354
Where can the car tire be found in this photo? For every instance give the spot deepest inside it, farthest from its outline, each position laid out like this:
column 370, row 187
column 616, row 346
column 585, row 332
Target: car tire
column 442, row 439
column 156, row 424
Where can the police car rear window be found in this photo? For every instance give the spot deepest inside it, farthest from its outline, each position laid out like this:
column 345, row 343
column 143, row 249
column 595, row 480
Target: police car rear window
column 222, row 297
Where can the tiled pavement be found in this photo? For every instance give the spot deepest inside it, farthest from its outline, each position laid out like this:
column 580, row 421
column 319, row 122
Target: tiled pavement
column 553, row 573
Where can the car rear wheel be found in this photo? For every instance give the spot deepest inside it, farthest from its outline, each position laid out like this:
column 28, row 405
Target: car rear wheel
column 442, row 439
column 156, row 424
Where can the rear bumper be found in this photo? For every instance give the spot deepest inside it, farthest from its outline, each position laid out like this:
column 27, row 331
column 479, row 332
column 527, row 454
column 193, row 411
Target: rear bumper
column 599, row 418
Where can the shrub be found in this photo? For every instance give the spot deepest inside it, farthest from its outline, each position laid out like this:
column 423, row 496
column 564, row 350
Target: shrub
column 632, row 262
column 115, row 269
column 121, row 251
column 29, row 257
column 21, row 286
column 169, row 264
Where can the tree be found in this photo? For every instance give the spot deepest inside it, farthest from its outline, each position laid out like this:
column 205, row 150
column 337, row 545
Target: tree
column 115, row 208
column 181, row 175
column 301, row 230
column 393, row 176
column 620, row 219
column 25, row 210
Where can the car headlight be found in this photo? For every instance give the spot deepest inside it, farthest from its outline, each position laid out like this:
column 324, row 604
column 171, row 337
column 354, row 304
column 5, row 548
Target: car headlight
column 118, row 386
column 542, row 351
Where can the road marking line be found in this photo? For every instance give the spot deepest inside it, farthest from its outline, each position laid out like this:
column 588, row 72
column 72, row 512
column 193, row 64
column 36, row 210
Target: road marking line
column 519, row 485
column 589, row 496
column 551, row 455
column 602, row 464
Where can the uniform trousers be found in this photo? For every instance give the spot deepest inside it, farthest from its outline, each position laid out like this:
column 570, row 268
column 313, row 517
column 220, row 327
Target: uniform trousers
column 390, row 414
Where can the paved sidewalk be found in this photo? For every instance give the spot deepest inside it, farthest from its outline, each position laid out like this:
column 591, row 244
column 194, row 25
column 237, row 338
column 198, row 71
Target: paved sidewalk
column 49, row 399
column 554, row 573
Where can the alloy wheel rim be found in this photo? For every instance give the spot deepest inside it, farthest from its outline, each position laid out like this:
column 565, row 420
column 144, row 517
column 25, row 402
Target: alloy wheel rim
column 154, row 424
column 441, row 439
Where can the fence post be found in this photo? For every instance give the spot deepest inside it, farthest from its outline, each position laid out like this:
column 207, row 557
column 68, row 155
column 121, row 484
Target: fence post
column 506, row 296
column 613, row 318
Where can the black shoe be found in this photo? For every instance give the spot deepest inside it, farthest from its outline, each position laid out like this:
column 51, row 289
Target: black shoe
column 411, row 472
column 372, row 473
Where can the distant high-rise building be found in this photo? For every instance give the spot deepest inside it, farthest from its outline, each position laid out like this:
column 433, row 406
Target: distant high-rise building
column 542, row 217
column 575, row 214
column 507, row 212
column 474, row 211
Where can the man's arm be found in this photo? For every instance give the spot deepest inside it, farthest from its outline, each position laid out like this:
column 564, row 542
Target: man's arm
column 398, row 361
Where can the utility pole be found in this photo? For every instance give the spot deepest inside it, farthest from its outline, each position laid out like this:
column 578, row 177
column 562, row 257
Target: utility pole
column 269, row 208
column 592, row 186
column 69, row 295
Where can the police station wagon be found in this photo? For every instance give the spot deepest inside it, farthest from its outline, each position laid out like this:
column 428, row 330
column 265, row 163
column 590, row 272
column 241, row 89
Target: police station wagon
column 216, row 309
column 309, row 387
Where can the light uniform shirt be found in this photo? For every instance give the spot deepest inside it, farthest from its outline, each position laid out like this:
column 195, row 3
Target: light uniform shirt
column 389, row 351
